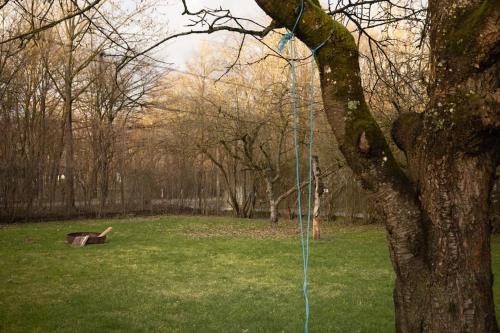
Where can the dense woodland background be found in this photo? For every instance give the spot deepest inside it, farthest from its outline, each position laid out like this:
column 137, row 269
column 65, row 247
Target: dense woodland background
column 89, row 130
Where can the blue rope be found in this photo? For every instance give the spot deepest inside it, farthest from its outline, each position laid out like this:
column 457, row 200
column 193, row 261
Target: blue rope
column 304, row 244
column 288, row 36
column 309, row 199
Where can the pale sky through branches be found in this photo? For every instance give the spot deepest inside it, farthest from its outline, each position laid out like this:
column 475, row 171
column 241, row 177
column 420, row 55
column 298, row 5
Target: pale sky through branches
column 183, row 49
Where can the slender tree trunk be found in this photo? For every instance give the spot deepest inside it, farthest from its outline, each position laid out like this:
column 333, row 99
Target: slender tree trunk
column 104, row 186
column 436, row 214
column 318, row 192
column 273, row 205
column 122, row 192
column 69, row 152
column 68, row 125
column 217, row 183
column 249, row 196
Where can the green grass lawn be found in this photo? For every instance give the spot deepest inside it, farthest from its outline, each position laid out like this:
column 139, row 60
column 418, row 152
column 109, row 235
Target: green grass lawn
column 193, row 274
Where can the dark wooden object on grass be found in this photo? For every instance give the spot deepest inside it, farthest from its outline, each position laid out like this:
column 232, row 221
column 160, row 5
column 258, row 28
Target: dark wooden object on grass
column 92, row 239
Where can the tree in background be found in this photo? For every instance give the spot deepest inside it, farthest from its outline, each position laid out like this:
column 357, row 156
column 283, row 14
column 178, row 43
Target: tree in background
column 45, row 82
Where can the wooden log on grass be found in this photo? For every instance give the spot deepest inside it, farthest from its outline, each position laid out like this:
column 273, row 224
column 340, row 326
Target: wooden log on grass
column 105, row 232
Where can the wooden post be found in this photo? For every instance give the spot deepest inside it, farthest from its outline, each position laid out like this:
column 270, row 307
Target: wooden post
column 318, row 191
column 105, row 232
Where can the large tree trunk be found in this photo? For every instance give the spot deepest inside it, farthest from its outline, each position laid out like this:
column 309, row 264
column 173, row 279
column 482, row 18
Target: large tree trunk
column 436, row 215
column 455, row 194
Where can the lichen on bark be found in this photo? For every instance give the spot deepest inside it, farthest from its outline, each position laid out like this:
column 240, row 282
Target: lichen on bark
column 460, row 34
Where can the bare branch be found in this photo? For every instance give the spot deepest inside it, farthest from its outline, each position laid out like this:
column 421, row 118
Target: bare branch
column 29, row 34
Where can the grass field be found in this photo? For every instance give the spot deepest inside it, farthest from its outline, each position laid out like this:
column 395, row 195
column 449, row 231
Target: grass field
column 193, row 274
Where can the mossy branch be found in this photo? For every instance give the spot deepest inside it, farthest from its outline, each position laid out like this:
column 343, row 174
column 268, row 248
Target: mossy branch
column 345, row 105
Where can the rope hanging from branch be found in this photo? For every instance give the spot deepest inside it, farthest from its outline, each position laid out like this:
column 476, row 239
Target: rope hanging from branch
column 304, row 239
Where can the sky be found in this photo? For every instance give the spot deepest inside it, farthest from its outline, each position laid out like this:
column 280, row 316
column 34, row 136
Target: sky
column 183, row 49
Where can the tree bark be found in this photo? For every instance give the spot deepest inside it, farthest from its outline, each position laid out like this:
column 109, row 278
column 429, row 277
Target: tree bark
column 273, row 204
column 318, row 191
column 436, row 215
column 68, row 120
column 68, row 142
